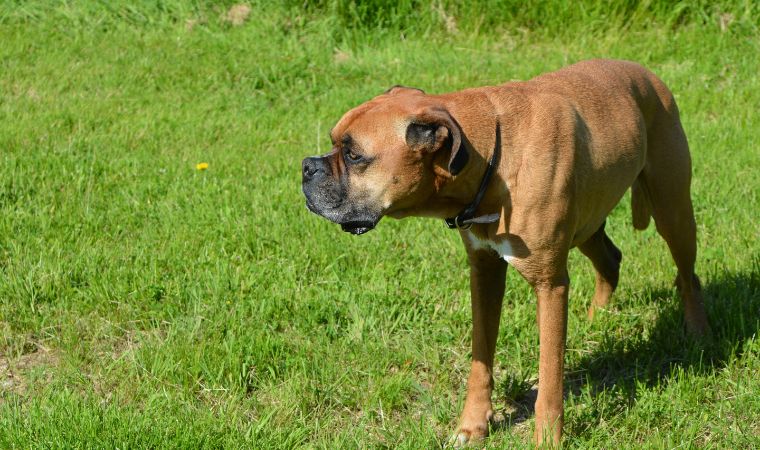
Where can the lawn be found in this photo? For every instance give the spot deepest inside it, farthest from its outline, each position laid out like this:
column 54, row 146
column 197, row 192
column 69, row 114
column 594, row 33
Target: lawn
column 147, row 303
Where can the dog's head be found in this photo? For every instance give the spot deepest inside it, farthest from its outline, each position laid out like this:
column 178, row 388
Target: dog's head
column 390, row 156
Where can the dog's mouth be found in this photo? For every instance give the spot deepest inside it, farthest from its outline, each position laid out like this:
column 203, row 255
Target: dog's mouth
column 357, row 227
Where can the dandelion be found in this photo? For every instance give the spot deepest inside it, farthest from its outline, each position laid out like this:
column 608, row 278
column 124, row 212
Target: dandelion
column 201, row 166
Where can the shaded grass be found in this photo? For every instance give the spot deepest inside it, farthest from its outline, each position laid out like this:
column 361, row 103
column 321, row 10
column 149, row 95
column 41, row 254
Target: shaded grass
column 209, row 309
column 361, row 22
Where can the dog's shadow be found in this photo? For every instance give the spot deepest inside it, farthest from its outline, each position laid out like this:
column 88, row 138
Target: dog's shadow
column 623, row 365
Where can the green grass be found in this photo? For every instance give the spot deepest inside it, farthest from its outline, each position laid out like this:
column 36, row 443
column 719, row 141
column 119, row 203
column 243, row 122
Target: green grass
column 144, row 303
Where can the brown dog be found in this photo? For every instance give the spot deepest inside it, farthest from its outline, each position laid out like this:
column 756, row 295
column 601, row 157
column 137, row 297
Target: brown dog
column 543, row 161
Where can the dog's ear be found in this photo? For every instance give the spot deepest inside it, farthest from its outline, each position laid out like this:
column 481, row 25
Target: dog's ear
column 399, row 89
column 435, row 130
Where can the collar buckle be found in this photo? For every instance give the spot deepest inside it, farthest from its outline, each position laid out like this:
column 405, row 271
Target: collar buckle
column 458, row 222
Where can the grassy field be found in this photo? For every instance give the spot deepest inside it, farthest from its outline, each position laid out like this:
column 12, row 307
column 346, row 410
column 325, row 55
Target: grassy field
column 146, row 303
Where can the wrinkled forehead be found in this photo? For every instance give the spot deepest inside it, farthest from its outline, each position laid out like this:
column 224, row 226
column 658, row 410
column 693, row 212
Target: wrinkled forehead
column 378, row 119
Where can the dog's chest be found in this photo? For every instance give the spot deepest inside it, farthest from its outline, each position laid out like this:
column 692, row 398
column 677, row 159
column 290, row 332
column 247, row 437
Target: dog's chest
column 503, row 248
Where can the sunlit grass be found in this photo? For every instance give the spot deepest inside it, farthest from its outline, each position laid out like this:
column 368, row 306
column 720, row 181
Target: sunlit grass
column 145, row 302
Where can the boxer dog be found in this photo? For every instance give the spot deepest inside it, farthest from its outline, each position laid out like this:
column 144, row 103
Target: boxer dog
column 524, row 171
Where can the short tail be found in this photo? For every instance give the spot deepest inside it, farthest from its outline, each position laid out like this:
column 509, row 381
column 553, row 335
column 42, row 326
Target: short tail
column 640, row 206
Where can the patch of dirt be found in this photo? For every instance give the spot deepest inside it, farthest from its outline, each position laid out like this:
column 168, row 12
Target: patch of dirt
column 123, row 344
column 237, row 14
column 340, row 57
column 192, row 23
column 14, row 372
column 724, row 21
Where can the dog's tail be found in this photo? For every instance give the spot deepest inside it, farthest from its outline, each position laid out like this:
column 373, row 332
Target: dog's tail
column 640, row 206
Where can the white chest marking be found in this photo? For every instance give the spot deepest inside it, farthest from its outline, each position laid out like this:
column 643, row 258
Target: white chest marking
column 503, row 248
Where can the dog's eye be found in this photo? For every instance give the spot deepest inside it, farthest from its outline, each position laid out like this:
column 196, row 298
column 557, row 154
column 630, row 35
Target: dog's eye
column 355, row 157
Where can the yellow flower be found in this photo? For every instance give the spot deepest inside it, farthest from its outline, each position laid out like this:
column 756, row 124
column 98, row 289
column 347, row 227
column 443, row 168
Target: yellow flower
column 201, row 166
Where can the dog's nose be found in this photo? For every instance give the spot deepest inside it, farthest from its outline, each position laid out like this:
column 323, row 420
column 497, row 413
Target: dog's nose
column 310, row 167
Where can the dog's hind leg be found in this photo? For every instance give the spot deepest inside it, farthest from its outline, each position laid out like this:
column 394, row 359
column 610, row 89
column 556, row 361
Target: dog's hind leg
column 606, row 260
column 666, row 181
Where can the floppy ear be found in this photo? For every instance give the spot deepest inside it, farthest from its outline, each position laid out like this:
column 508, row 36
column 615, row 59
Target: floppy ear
column 399, row 89
column 435, row 130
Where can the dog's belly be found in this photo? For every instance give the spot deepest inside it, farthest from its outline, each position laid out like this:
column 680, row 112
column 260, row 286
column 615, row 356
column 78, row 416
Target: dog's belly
column 607, row 165
column 600, row 188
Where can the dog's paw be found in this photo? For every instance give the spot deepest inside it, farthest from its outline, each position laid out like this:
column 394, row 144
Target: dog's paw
column 463, row 438
column 472, row 429
column 459, row 440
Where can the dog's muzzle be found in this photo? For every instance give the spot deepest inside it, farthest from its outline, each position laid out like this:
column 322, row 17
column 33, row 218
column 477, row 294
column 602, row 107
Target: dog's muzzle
column 326, row 195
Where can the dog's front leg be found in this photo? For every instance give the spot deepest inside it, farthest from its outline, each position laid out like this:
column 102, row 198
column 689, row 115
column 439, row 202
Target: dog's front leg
column 552, row 327
column 487, row 275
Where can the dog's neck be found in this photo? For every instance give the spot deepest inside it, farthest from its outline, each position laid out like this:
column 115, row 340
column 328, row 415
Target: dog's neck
column 455, row 193
column 469, row 215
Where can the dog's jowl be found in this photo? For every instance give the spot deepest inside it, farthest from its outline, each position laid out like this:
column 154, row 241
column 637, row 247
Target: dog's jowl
column 525, row 171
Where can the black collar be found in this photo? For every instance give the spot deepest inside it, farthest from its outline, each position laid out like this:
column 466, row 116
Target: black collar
column 466, row 217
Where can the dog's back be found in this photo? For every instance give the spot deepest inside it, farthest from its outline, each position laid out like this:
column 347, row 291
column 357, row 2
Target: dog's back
column 610, row 86
column 623, row 122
